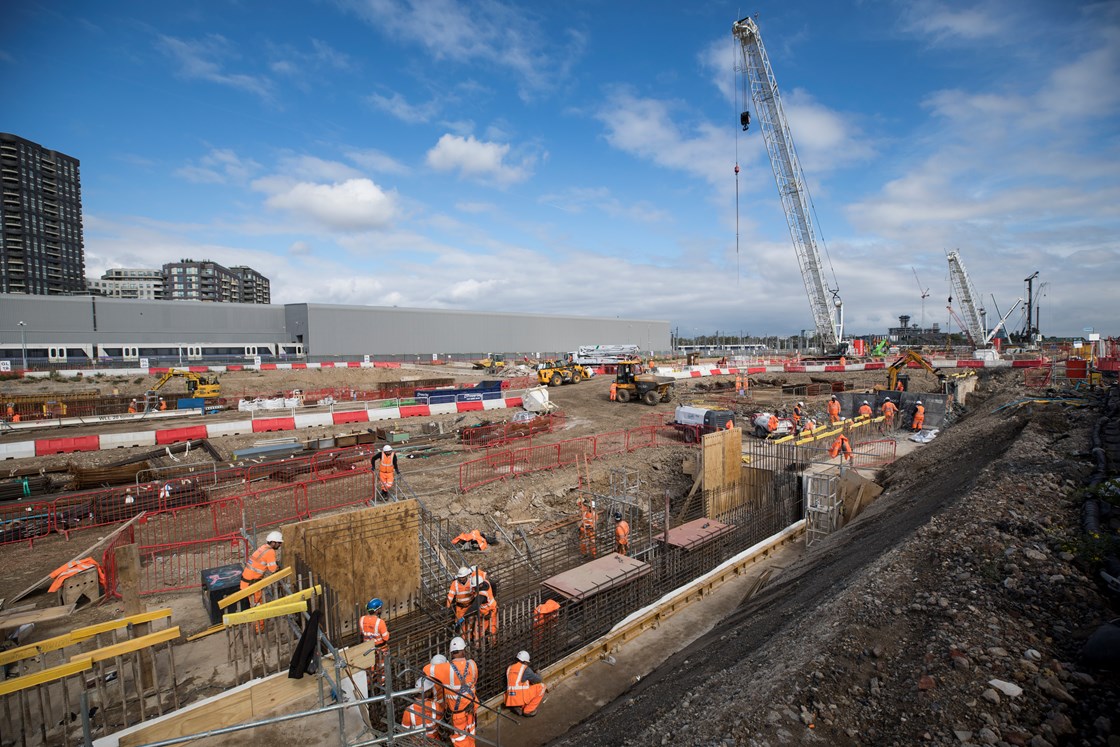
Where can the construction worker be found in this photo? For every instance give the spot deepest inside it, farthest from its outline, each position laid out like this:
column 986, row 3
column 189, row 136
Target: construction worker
column 900, row 386
column 162, row 404
column 425, row 714
column 833, row 410
column 919, row 416
column 865, row 410
column 477, row 576
column 459, row 677
column 375, row 631
column 524, row 688
column 739, row 384
column 460, row 594
column 437, row 686
column 384, row 463
column 587, row 528
column 487, row 611
column 807, row 427
column 889, row 410
column 262, row 562
column 614, row 391
column 772, row 423
column 545, row 616
column 798, row 413
column 132, row 407
column 621, row 534
column 841, row 446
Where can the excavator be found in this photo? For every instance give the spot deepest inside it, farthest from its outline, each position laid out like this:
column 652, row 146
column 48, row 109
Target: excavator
column 893, row 375
column 205, row 387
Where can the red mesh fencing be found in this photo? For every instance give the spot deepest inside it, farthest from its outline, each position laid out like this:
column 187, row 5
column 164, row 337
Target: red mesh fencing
column 179, row 566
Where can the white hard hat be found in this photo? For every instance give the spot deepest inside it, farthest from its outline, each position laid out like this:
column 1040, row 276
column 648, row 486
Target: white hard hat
column 463, row 571
column 800, row 404
column 424, row 684
column 865, row 402
column 474, row 569
column 387, row 448
column 523, row 657
column 888, row 399
column 439, row 659
column 274, row 537
column 918, row 402
column 457, row 644
column 592, row 504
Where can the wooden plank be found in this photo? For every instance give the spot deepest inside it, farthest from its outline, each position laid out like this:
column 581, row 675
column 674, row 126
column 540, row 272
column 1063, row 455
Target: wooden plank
column 88, row 553
column 127, row 647
column 732, row 455
column 89, row 631
column 15, row 619
column 13, row 655
column 265, row 697
column 299, row 596
column 338, row 550
column 209, row 631
column 254, row 587
column 263, row 613
column 14, row 685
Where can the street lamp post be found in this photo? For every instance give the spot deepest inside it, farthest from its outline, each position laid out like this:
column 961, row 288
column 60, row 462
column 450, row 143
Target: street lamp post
column 23, row 342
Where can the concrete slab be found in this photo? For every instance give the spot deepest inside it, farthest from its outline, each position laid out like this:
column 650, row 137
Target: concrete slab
column 607, row 572
column 695, row 533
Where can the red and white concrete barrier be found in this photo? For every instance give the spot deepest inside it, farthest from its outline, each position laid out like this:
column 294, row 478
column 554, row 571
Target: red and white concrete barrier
column 700, row 371
column 166, row 436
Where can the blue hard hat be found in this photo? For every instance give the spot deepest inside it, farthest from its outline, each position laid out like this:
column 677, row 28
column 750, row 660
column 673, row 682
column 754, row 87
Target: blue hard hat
column 374, row 605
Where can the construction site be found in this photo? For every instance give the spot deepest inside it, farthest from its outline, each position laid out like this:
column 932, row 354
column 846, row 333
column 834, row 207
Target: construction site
column 882, row 545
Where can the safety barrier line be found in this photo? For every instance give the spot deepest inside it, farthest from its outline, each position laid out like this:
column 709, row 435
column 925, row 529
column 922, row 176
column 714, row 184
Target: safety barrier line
column 168, row 436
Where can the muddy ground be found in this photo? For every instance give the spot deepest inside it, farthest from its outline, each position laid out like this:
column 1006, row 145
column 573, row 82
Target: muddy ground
column 966, row 570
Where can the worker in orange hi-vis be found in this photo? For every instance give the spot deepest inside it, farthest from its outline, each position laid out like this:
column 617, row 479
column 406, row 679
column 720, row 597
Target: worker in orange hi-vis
column 375, row 631
column 587, row 520
column 487, row 611
column 461, row 593
column 841, row 446
column 621, row 534
column 524, row 687
column 426, row 714
column 798, row 413
column 919, row 416
column 459, row 678
column 865, row 410
column 739, row 384
column 834, row 410
column 889, row 410
column 261, row 563
column 384, row 463
column 614, row 391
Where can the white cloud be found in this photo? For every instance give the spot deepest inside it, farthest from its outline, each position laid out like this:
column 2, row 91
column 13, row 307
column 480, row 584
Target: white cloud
column 580, row 199
column 376, row 160
column 507, row 36
column 475, row 159
column 942, row 22
column 300, row 249
column 352, row 205
column 220, row 166
column 206, row 59
column 397, row 106
column 313, row 169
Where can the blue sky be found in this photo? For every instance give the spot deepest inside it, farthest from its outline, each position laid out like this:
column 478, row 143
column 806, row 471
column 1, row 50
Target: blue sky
column 578, row 157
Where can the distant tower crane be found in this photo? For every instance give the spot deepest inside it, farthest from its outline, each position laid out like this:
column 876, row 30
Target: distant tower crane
column 828, row 315
column 925, row 295
column 972, row 325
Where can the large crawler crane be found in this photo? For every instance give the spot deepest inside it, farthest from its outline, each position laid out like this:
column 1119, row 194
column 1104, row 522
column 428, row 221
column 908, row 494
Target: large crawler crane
column 828, row 314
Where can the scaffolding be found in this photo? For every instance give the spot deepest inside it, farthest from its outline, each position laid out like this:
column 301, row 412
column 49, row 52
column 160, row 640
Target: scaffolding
column 822, row 506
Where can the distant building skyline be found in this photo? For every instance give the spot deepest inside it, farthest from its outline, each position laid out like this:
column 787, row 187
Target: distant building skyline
column 186, row 280
column 42, row 250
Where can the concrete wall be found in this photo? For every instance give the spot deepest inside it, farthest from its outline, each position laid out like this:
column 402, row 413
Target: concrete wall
column 937, row 405
column 327, row 331
column 357, row 329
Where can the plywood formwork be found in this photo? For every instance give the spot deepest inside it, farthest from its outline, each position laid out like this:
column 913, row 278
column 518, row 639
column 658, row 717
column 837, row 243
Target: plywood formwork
column 361, row 554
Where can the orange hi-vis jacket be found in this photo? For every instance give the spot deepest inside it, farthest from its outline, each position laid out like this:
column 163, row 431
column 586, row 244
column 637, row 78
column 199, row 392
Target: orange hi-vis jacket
column 841, row 444
column 889, row 410
column 473, row 535
column 772, row 423
column 374, row 630
column 423, row 715
column 73, row 568
column 437, row 688
column 477, row 577
column 622, row 533
column 833, row 410
column 458, row 677
column 460, row 594
column 385, row 470
column 865, row 410
column 919, row 417
column 587, row 519
column 797, row 414
column 260, row 562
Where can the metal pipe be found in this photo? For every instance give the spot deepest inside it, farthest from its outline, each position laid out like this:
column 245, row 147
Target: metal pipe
column 275, row 720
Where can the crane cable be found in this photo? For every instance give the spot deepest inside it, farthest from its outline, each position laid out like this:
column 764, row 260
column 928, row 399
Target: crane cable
column 735, row 104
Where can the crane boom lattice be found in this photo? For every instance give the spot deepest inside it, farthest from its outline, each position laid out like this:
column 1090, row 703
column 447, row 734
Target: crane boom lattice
column 966, row 297
column 792, row 189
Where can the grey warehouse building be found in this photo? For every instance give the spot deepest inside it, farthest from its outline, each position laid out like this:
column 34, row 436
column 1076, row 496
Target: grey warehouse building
column 82, row 330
